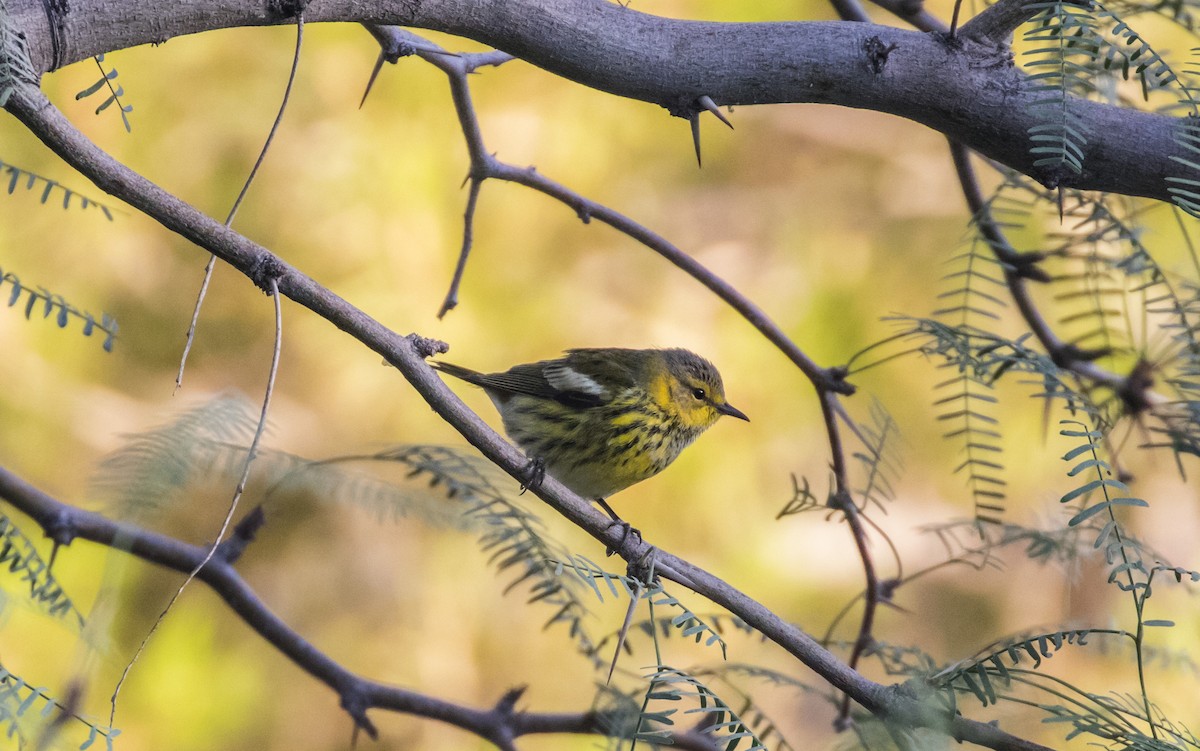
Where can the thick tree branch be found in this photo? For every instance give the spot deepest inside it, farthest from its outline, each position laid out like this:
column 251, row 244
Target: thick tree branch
column 894, row 704
column 966, row 89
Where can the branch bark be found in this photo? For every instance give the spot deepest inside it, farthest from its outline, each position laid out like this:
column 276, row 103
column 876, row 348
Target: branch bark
column 892, row 703
column 965, row 87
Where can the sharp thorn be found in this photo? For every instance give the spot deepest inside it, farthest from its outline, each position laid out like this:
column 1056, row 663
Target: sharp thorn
column 707, row 103
column 695, row 121
column 371, row 81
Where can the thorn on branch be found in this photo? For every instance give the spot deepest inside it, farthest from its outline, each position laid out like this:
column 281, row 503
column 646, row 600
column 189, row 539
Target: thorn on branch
column 508, row 703
column 425, row 347
column 266, row 269
column 690, row 109
column 641, row 568
column 374, row 74
column 707, row 103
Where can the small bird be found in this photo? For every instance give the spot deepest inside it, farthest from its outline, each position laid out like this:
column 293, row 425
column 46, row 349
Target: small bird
column 600, row 420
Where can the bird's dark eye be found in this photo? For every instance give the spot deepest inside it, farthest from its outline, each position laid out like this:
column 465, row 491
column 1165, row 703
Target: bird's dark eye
column 698, row 393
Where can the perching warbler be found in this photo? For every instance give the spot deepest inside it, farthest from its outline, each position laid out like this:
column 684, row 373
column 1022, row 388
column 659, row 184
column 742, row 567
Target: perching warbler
column 600, row 420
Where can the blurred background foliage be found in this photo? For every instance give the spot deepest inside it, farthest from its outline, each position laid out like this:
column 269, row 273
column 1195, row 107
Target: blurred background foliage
column 828, row 218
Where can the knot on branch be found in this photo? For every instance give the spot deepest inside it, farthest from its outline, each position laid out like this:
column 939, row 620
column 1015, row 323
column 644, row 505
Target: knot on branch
column 840, row 500
column 835, row 381
column 60, row 528
column 1135, row 388
column 266, row 269
column 886, row 589
column 397, row 48
column 1070, row 354
column 354, row 701
column 641, row 567
column 279, row 10
column 243, row 534
column 1025, row 266
column 425, row 347
column 877, row 53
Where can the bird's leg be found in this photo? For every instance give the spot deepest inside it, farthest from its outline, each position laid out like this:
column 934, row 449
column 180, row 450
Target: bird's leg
column 626, row 527
column 533, row 474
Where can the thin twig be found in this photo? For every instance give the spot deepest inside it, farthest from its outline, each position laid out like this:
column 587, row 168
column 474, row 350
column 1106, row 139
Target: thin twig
column 237, row 203
column 262, row 422
column 233, row 503
column 486, row 166
column 451, row 300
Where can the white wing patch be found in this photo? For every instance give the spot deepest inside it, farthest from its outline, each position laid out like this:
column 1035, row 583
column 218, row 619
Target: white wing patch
column 565, row 378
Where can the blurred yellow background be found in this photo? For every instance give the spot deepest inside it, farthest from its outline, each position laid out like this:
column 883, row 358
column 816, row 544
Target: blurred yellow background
column 830, row 219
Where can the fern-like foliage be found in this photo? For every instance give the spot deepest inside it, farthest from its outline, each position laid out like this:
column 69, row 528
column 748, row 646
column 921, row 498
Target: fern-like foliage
column 803, row 499
column 49, row 304
column 114, row 93
column 879, row 464
column 672, row 687
column 764, row 727
column 1064, row 50
column 988, row 673
column 709, row 628
column 18, row 177
column 516, row 539
column 26, row 711
column 1185, row 191
column 968, row 542
column 971, row 303
column 879, row 461
column 151, row 471
column 15, row 67
column 1125, row 51
column 975, row 283
column 978, row 359
column 20, row 558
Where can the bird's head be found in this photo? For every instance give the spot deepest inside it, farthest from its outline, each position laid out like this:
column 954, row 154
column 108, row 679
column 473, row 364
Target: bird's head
column 689, row 387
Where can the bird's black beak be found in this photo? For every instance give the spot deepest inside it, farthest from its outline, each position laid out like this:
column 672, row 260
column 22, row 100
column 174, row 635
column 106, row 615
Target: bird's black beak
column 732, row 411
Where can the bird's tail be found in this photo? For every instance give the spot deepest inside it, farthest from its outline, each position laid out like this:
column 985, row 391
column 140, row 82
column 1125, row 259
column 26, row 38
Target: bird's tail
column 466, row 374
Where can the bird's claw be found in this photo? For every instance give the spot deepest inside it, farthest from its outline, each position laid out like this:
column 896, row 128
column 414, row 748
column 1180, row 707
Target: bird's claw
column 533, row 474
column 626, row 530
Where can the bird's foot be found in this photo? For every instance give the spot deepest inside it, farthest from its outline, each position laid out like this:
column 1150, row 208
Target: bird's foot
column 533, row 474
column 626, row 530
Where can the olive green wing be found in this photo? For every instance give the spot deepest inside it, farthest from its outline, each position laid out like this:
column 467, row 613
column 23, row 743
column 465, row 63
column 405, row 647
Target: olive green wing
column 584, row 378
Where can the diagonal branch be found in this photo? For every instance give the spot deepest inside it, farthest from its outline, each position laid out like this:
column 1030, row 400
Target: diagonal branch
column 893, row 703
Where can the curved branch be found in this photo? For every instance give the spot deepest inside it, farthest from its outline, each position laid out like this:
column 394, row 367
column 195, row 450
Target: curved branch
column 407, row 354
column 964, row 87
